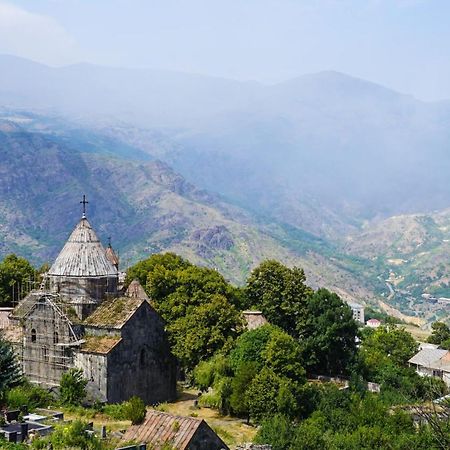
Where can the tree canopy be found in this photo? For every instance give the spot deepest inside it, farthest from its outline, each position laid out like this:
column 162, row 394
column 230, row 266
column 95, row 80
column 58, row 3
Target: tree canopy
column 327, row 334
column 280, row 293
column 16, row 273
column 198, row 305
column 10, row 374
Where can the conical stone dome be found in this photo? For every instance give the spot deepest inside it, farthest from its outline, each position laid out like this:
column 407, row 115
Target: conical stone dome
column 83, row 255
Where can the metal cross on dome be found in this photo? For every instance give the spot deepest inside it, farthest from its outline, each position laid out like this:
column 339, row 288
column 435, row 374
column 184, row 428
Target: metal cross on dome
column 84, row 202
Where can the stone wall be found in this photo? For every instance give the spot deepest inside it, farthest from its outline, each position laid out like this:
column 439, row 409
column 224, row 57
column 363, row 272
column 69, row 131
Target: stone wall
column 95, row 370
column 45, row 354
column 206, row 439
column 142, row 364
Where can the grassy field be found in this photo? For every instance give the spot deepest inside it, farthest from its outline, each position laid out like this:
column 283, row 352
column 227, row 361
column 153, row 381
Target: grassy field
column 418, row 333
column 233, row 431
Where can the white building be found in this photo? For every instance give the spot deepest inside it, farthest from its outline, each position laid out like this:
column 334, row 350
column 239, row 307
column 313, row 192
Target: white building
column 358, row 311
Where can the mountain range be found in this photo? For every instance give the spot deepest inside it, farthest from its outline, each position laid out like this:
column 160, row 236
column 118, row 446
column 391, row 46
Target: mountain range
column 340, row 175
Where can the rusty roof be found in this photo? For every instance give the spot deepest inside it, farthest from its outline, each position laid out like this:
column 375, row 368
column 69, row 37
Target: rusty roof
column 115, row 312
column 83, row 255
column 99, row 344
column 161, row 428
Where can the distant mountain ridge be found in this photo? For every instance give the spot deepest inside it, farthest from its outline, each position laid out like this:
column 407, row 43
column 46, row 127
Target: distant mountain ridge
column 142, row 204
column 318, row 166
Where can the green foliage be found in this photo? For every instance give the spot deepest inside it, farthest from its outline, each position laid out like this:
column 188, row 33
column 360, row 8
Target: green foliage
column 327, row 333
column 262, row 394
column 15, row 273
column 29, row 395
column 73, row 387
column 350, row 422
column 10, row 374
column 276, row 430
column 239, row 385
column 280, row 293
column 197, row 303
column 208, row 373
column 167, row 261
column 283, row 355
column 4, row 445
column 204, row 330
column 250, row 346
column 385, row 347
column 134, row 410
column 73, row 435
column 440, row 334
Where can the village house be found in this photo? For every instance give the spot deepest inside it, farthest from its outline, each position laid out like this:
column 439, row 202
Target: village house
column 80, row 318
column 432, row 361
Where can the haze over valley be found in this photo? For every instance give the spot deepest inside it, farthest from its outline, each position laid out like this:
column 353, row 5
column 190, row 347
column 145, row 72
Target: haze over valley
column 339, row 175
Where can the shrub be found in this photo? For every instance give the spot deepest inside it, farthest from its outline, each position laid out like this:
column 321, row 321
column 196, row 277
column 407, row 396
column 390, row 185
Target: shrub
column 27, row 395
column 74, row 436
column 115, row 411
column 134, row 410
column 73, row 387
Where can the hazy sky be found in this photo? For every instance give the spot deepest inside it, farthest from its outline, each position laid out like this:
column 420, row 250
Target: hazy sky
column 403, row 44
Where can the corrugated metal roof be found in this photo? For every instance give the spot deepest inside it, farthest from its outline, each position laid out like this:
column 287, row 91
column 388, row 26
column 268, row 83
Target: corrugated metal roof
column 161, row 428
column 83, row 255
column 432, row 358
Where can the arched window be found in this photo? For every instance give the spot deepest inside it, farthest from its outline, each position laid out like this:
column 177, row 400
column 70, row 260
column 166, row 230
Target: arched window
column 33, row 335
column 55, row 337
column 45, row 353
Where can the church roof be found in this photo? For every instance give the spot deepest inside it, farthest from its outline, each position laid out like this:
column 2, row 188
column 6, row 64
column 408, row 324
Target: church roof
column 136, row 290
column 115, row 312
column 83, row 255
column 99, row 344
column 112, row 256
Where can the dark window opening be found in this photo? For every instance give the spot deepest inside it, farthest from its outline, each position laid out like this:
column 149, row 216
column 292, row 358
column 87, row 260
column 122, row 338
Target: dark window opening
column 55, row 337
column 33, row 335
column 45, row 353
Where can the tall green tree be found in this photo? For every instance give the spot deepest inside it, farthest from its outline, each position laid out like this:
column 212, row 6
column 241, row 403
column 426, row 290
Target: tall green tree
column 204, row 330
column 10, row 373
column 73, row 387
column 250, row 347
column 440, row 333
column 280, row 292
column 388, row 344
column 197, row 303
column 16, row 275
column 328, row 333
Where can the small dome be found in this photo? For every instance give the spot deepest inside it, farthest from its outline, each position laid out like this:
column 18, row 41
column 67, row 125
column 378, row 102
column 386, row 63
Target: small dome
column 112, row 256
column 83, row 255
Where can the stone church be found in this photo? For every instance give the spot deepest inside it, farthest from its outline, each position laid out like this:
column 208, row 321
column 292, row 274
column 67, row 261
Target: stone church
column 80, row 318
